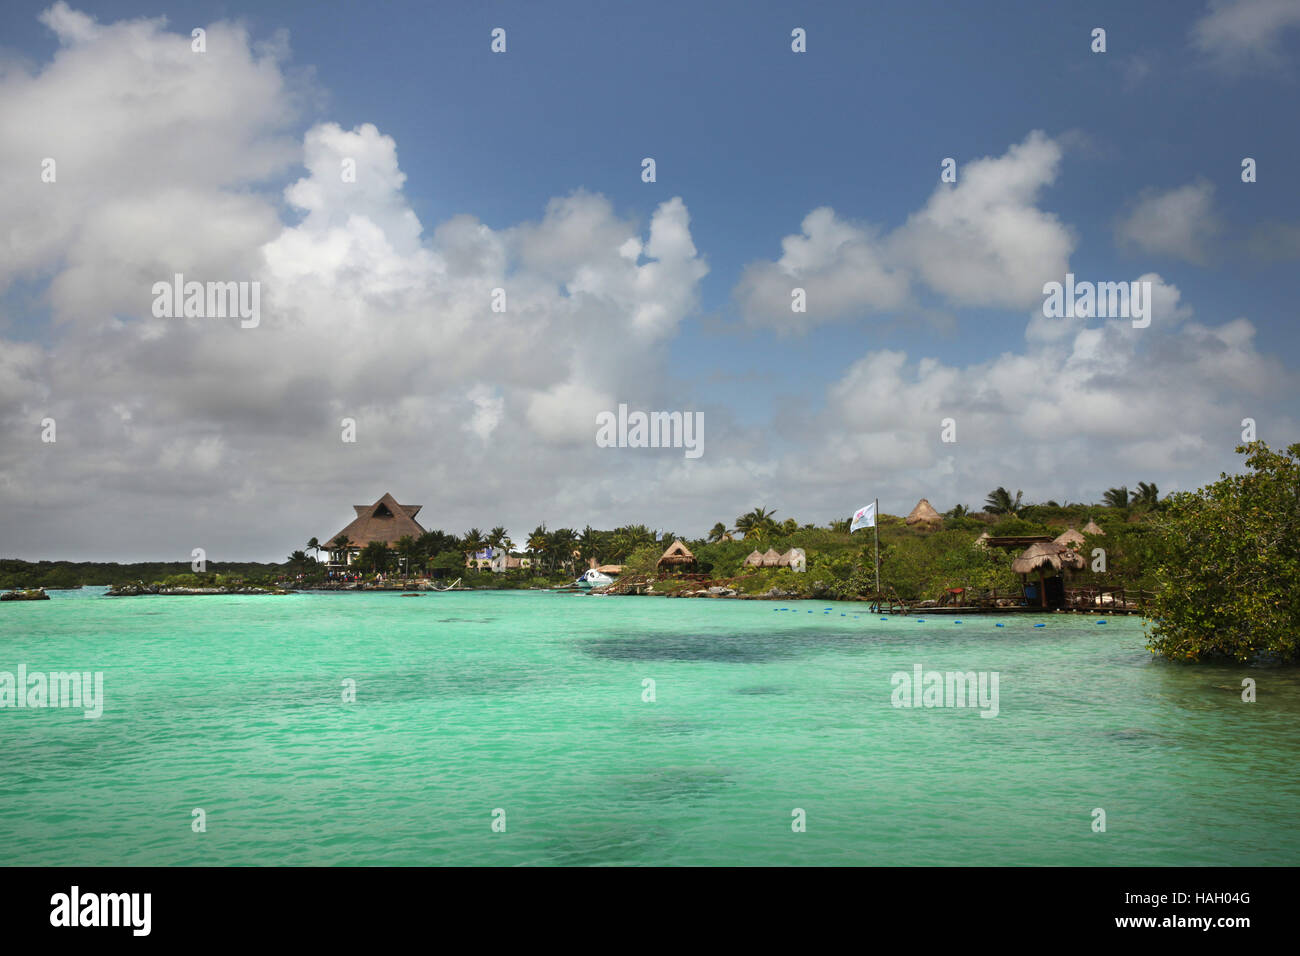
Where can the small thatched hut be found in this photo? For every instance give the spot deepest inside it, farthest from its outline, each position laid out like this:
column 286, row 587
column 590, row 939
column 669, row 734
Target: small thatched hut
column 755, row 559
column 1043, row 557
column 795, row 559
column 924, row 513
column 771, row 559
column 1092, row 528
column 1070, row 538
column 678, row 556
column 983, row 540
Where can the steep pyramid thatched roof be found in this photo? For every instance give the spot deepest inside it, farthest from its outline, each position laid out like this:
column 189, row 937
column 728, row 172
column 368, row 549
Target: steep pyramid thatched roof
column 924, row 513
column 1071, row 538
column 677, row 553
column 384, row 521
column 1049, row 557
column 755, row 559
column 1092, row 528
column 771, row 559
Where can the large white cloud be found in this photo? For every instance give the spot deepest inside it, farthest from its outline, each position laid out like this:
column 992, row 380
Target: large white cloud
column 981, row 241
column 163, row 159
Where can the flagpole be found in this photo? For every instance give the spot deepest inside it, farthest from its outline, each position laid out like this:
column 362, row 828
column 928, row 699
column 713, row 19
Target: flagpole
column 876, row 526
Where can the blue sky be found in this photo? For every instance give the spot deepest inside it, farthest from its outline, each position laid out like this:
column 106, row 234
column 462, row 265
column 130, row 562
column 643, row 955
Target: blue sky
column 753, row 138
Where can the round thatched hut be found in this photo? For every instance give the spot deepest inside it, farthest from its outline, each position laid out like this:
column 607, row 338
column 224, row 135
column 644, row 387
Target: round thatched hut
column 924, row 514
column 1092, row 528
column 1070, row 538
column 755, row 559
column 771, row 558
column 1050, row 561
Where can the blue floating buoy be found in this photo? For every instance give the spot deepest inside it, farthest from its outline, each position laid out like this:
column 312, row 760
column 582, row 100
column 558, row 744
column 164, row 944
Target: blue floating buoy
column 1040, row 625
column 1101, row 622
column 999, row 625
column 884, row 619
column 810, row 612
column 920, row 620
column 956, row 622
column 843, row 615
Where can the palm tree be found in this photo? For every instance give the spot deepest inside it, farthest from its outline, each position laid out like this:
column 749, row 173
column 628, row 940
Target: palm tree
column 756, row 522
column 341, row 545
column 297, row 560
column 538, row 544
column 591, row 543
column 496, row 537
column 374, row 556
column 718, row 532
column 314, row 546
column 841, row 525
column 1147, row 497
column 1116, row 497
column 958, row 511
column 1000, row 502
column 562, row 542
column 472, row 543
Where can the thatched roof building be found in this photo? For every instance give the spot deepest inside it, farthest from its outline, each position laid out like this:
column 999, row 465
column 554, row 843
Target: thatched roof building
column 983, row 540
column 384, row 521
column 771, row 559
column 1070, row 538
column 755, row 559
column 1047, row 557
column 677, row 555
column 1092, row 528
column 924, row 513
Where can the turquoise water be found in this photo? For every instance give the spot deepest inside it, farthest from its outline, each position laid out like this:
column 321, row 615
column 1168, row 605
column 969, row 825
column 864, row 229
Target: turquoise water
column 531, row 703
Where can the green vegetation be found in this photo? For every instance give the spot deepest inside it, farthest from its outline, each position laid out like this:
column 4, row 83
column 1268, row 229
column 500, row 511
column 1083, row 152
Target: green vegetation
column 1228, row 565
column 70, row 574
column 1222, row 559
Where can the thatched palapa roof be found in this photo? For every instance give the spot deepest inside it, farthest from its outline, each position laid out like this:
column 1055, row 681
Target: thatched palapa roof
column 983, row 540
column 771, row 559
column 755, row 559
column 1092, row 528
column 1071, row 538
column 384, row 521
column 1053, row 557
column 924, row 513
column 677, row 554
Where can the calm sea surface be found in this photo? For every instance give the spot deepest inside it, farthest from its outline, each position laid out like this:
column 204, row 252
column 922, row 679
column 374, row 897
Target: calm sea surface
column 531, row 703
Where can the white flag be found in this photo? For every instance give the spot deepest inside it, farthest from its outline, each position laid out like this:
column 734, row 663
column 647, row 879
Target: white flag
column 864, row 517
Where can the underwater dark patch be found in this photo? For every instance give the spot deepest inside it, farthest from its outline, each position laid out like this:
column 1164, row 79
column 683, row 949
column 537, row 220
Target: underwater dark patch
column 671, row 784
column 762, row 690
column 755, row 648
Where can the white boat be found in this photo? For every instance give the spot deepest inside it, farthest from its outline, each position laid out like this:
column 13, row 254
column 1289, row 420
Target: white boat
column 593, row 579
